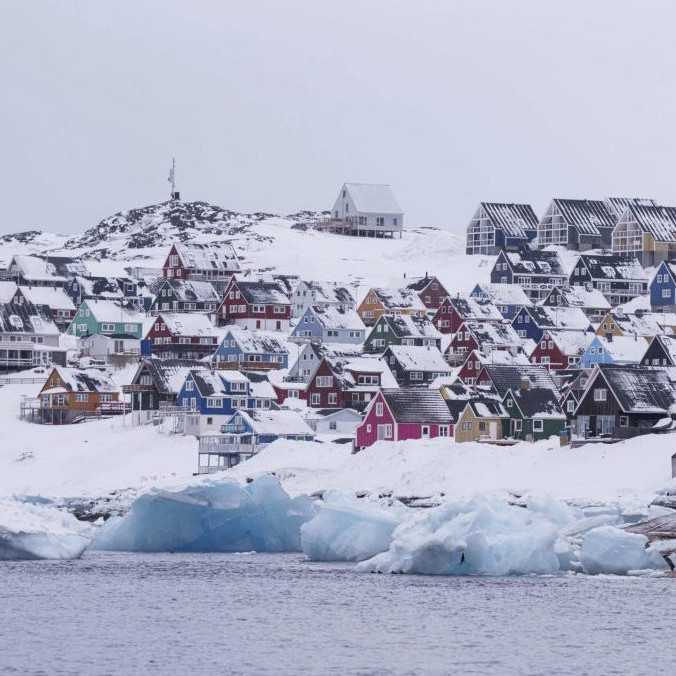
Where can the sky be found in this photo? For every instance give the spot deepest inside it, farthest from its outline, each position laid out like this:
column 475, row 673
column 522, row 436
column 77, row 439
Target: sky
column 271, row 105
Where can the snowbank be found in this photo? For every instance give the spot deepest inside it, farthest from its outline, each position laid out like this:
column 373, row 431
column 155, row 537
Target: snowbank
column 212, row 517
column 39, row 532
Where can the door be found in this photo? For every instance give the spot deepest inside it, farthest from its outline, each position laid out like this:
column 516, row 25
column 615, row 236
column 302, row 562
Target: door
column 493, row 429
column 425, row 433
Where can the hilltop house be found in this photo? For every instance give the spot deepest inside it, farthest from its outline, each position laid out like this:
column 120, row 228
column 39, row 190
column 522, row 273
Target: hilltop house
column 365, row 210
column 508, row 298
column 497, row 226
column 244, row 349
column 182, row 336
column 184, row 295
column 214, row 262
column 536, row 272
column 430, row 291
column 647, row 233
column 577, row 224
column 403, row 414
column 663, row 288
column 613, row 350
column 107, row 318
column 255, row 305
column 380, row 301
column 320, row 294
column 454, row 310
column 401, row 330
column 617, row 278
column 415, row 366
column 329, row 324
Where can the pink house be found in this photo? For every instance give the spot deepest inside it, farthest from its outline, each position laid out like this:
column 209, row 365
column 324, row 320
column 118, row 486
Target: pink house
column 404, row 413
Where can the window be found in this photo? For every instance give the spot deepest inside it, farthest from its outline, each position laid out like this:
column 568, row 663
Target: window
column 467, row 427
column 482, row 426
column 517, row 425
column 659, row 279
column 509, row 403
column 333, row 426
column 210, row 420
column 261, row 308
column 324, row 381
column 666, row 293
column 81, row 396
column 538, row 426
column 130, row 328
column 624, row 421
column 189, row 386
column 315, row 399
column 570, row 406
column 279, row 309
column 600, row 394
column 333, row 398
column 443, row 430
column 379, row 409
column 214, row 402
column 107, row 328
column 384, row 431
column 416, row 375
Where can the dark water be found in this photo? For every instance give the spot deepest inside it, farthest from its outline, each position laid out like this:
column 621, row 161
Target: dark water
column 265, row 614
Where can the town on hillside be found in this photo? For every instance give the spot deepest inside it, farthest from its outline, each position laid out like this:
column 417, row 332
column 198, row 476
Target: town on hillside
column 572, row 337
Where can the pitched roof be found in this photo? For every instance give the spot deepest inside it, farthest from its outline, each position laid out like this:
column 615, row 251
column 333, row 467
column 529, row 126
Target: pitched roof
column 53, row 297
column 409, row 405
column 503, row 294
column 612, row 267
column 217, row 256
column 571, row 343
column 333, row 317
column 580, row 297
column 262, row 292
column 394, row 299
column 586, row 215
column 658, row 221
column 168, row 374
column 413, row 358
column 668, row 344
column 538, row 402
column 15, row 318
column 493, row 334
column 625, row 348
column 510, row 377
column 487, row 408
column 345, row 369
column 188, row 324
column 514, row 219
column 258, row 341
column 468, row 307
column 646, row 324
column 277, row 423
column 618, row 205
column 409, row 326
column 110, row 311
column 330, row 292
column 638, row 389
column 32, row 267
column 192, row 291
column 86, row 380
column 535, row 262
column 374, row 198
column 421, row 283
column 561, row 318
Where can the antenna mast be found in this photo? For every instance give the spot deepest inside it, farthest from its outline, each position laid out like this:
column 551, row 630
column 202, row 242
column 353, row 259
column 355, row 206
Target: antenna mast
column 172, row 179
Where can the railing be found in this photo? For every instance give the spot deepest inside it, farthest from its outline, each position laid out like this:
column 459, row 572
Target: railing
column 209, row 444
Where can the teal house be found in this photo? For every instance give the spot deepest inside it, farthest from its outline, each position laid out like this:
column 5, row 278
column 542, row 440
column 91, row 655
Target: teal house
column 106, row 317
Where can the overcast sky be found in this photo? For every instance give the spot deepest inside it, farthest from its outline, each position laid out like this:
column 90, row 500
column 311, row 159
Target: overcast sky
column 271, row 105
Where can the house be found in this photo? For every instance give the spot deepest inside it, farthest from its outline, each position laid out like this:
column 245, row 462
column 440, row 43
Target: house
column 577, row 224
column 484, row 336
column 430, row 291
column 401, row 330
column 591, row 301
column 184, row 295
column 214, row 262
column 108, row 318
column 28, row 337
column 157, row 382
column 646, row 233
column 476, row 360
column 561, row 349
column 33, row 271
column 624, row 401
column 536, row 272
column 320, row 294
column 613, row 350
column 404, row 414
column 70, row 395
column 531, row 322
column 454, row 310
column 311, row 354
column 259, row 350
column 498, row 227
column 182, row 336
column 617, row 278
column 415, row 366
column 482, row 420
column 643, row 324
column 52, row 300
column 365, row 210
column 329, row 324
column 662, row 288
column 508, row 298
column 332, row 421
column 502, row 378
column 534, row 412
column 379, row 301
column 245, row 433
column 255, row 305
column 111, row 349
column 660, row 352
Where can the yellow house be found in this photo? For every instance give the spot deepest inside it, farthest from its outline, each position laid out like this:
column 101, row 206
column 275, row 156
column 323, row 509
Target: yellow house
column 482, row 420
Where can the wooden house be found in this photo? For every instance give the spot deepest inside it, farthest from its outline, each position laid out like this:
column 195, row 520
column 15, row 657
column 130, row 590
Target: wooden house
column 577, row 224
column 320, row 294
column 108, row 318
column 561, row 349
column 642, row 324
column 213, row 262
column 617, row 278
column 660, row 352
column 482, row 420
column 184, row 295
column 646, row 233
column 258, row 350
column 536, row 272
column 52, row 301
column 531, row 322
column 500, row 226
column 342, row 422
column 456, row 309
column 70, row 395
column 591, row 301
column 502, row 378
column 404, row 414
column 182, row 336
column 624, row 401
column 484, row 336
column 401, row 330
column 255, row 305
column 329, row 324
column 662, row 288
column 508, row 298
column 415, row 366
column 476, row 360
column 430, row 291
column 379, row 301
column 613, row 350
column 534, row 412
column 34, row 271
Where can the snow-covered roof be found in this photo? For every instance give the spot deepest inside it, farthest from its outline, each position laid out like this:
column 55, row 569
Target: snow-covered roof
column 328, row 292
column 398, row 299
column 514, row 219
column 32, row 267
column 410, row 405
column 332, row 317
column 189, row 324
column 625, row 349
column 658, row 221
column 613, row 267
column 53, row 297
column 261, row 292
column 257, row 341
column 21, row 318
column 410, row 326
column 538, row 402
column 413, row 358
column 348, row 369
column 571, row 343
column 7, row 291
column 646, row 324
column 499, row 357
column 217, row 256
column 618, row 205
column 638, row 389
column 668, row 343
column 262, row 389
column 86, row 380
column 168, row 374
column 586, row 215
column 190, row 290
column 638, row 304
column 581, row 297
column 503, row 294
column 278, row 423
column 492, row 333
column 561, row 318
column 373, row 198
column 535, row 262
column 110, row 311
column 482, row 309
column 510, row 377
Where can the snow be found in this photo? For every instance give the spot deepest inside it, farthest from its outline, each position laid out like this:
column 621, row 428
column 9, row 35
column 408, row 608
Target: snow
column 7, row 291
column 110, row 311
column 189, row 324
column 608, row 549
column 373, row 198
column 36, row 531
column 219, row 516
column 55, row 297
column 413, row 358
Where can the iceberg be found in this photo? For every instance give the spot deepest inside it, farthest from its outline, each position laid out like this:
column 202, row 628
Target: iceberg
column 349, row 529
column 608, row 549
column 220, row 516
column 30, row 532
column 481, row 536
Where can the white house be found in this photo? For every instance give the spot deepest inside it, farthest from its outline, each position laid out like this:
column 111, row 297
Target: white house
column 321, row 294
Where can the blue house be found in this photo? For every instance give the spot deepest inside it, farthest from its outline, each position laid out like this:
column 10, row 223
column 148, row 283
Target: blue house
column 330, row 325
column 508, row 298
column 497, row 225
column 252, row 350
column 614, row 350
column 536, row 272
column 663, row 288
column 531, row 322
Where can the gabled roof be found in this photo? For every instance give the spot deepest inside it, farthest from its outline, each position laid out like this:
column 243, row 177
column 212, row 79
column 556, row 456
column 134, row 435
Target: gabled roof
column 561, row 318
column 580, row 297
column 413, row 358
column 588, row 216
column 277, row 423
column 410, row 405
column 217, row 256
column 333, row 317
column 189, row 290
column 188, row 324
column 514, row 219
column 658, row 221
column 168, row 374
column 211, row 383
column 646, row 324
column 110, row 311
column 503, row 294
column 498, row 358
column 624, row 348
column 487, row 408
column 409, row 326
column 32, row 267
column 329, row 292
column 85, row 380
column 668, row 344
column 618, row 205
column 538, row 402
column 373, row 198
column 257, row 341
column 571, row 343
column 481, row 309
column 612, row 267
column 21, row 318
column 421, row 283
column 492, row 333
column 262, row 292
column 396, row 299
column 535, row 262
column 345, row 369
column 506, row 378
column 53, row 297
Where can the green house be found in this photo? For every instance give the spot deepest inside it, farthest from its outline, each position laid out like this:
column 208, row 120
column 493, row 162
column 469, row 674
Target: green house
column 401, row 330
column 107, row 318
column 534, row 413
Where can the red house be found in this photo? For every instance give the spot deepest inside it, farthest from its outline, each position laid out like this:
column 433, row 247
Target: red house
column 214, row 262
column 453, row 311
column 476, row 360
column 404, row 413
column 484, row 336
column 430, row 291
column 324, row 390
column 561, row 349
column 182, row 336
column 255, row 305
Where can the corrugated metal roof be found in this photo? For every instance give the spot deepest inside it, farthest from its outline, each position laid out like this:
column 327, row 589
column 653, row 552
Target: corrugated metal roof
column 409, row 405
column 660, row 222
column 586, row 215
column 514, row 219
